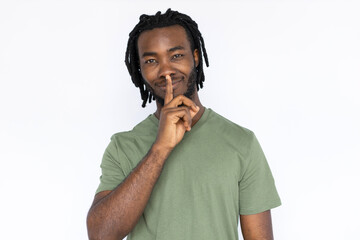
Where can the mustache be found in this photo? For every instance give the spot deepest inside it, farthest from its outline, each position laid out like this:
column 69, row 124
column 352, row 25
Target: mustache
column 162, row 83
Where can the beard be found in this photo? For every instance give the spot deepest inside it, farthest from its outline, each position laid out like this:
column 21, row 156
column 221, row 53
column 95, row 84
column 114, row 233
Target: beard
column 191, row 87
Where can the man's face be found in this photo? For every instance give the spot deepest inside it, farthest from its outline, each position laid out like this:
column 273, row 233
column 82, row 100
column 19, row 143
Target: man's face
column 167, row 51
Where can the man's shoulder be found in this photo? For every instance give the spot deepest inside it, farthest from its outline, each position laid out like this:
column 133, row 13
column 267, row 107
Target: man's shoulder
column 227, row 133
column 227, row 126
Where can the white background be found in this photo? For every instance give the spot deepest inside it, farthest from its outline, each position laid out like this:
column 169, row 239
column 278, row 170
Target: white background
column 288, row 70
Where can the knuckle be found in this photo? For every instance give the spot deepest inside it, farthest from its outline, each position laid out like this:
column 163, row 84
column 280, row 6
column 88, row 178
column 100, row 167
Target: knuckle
column 184, row 109
column 180, row 97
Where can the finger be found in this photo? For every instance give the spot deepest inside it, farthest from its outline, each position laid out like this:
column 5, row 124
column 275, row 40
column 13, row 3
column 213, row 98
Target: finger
column 181, row 114
column 169, row 90
column 182, row 100
column 187, row 119
column 194, row 112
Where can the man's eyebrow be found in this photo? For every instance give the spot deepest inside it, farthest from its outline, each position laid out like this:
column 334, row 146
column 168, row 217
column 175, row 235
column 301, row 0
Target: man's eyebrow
column 173, row 49
column 176, row 48
column 145, row 54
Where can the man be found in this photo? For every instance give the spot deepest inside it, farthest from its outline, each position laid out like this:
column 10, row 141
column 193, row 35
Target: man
column 184, row 172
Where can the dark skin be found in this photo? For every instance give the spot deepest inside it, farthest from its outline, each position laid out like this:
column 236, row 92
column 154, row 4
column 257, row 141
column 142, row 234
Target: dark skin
column 166, row 61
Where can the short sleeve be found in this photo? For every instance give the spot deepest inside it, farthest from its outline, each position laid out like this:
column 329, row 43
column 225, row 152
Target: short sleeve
column 112, row 171
column 257, row 191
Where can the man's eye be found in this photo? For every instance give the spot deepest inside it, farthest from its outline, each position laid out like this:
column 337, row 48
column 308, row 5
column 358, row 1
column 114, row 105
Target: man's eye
column 150, row 61
column 177, row 55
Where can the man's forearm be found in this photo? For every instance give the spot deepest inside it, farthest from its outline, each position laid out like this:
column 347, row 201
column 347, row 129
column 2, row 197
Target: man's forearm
column 114, row 215
column 257, row 226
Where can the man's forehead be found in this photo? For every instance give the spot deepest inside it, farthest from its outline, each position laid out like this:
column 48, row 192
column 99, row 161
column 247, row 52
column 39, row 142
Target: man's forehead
column 165, row 30
column 171, row 35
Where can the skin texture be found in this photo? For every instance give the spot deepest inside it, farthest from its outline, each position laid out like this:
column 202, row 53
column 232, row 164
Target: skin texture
column 257, row 226
column 166, row 63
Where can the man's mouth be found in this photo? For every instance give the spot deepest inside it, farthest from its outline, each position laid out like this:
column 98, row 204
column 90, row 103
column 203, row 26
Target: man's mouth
column 174, row 83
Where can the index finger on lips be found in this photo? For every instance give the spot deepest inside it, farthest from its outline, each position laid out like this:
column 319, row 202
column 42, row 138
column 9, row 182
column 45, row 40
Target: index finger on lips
column 169, row 90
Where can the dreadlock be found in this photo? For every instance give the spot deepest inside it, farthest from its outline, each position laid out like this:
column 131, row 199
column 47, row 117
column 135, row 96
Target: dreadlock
column 148, row 22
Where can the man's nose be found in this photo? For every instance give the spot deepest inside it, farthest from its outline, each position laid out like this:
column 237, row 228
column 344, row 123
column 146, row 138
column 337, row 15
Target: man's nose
column 166, row 69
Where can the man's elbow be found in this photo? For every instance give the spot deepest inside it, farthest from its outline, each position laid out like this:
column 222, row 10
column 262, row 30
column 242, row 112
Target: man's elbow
column 97, row 230
column 93, row 228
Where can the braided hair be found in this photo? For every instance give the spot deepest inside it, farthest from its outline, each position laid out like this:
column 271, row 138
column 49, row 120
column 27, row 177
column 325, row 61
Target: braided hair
column 148, row 22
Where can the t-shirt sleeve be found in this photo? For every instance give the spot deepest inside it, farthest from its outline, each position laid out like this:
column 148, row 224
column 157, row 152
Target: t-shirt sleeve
column 111, row 167
column 257, row 191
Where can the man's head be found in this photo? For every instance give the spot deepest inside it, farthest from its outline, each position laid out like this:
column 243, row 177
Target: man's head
column 179, row 35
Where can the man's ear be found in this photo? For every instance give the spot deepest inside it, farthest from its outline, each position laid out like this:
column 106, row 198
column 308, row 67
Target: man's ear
column 196, row 57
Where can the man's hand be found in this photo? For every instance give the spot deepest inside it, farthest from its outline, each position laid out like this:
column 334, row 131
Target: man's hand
column 174, row 120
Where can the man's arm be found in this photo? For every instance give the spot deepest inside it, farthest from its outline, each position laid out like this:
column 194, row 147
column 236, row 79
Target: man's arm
column 257, row 226
column 114, row 214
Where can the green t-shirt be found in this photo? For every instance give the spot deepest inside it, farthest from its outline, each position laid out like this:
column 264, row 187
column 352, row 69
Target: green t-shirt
column 215, row 173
